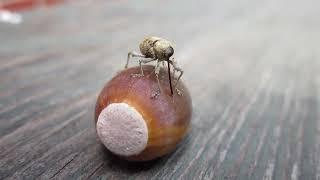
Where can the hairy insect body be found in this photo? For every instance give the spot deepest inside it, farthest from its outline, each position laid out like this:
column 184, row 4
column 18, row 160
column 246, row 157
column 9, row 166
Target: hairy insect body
column 147, row 47
column 156, row 49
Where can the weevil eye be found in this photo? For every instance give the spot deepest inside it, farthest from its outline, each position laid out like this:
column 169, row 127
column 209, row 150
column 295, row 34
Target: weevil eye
column 169, row 51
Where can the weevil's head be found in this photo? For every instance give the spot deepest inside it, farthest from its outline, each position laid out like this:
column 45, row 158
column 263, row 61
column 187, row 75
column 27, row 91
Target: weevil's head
column 163, row 49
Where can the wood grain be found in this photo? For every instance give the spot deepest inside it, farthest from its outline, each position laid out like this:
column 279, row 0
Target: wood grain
column 251, row 66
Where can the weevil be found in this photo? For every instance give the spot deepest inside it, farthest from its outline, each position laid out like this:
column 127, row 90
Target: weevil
column 160, row 50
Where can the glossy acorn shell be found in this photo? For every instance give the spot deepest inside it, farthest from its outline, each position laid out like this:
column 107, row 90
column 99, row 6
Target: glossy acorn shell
column 167, row 117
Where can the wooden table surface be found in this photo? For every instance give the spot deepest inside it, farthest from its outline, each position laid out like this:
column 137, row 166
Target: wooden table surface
column 252, row 68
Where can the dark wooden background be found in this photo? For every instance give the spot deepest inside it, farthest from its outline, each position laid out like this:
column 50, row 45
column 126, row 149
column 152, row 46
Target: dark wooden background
column 252, row 68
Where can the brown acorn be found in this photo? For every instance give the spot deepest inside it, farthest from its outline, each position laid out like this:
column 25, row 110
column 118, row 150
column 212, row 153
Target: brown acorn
column 133, row 124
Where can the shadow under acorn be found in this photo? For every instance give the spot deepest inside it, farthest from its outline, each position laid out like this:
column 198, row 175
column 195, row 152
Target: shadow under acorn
column 116, row 163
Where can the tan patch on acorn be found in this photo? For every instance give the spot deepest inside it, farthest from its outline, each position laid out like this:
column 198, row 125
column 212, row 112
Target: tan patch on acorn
column 166, row 117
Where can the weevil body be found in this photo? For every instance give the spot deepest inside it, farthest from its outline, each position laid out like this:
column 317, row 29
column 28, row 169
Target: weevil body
column 156, row 48
column 160, row 50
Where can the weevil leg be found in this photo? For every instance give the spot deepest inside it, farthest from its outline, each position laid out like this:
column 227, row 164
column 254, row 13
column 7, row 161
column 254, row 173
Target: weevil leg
column 173, row 62
column 176, row 68
column 133, row 54
column 157, row 71
column 144, row 61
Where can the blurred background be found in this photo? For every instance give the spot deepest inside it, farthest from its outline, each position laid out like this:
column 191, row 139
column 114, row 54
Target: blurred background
column 252, row 68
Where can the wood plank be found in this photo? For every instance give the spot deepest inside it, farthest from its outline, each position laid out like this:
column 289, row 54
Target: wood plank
column 252, row 69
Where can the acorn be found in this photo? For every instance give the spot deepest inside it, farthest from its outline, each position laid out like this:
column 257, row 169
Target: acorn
column 134, row 124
